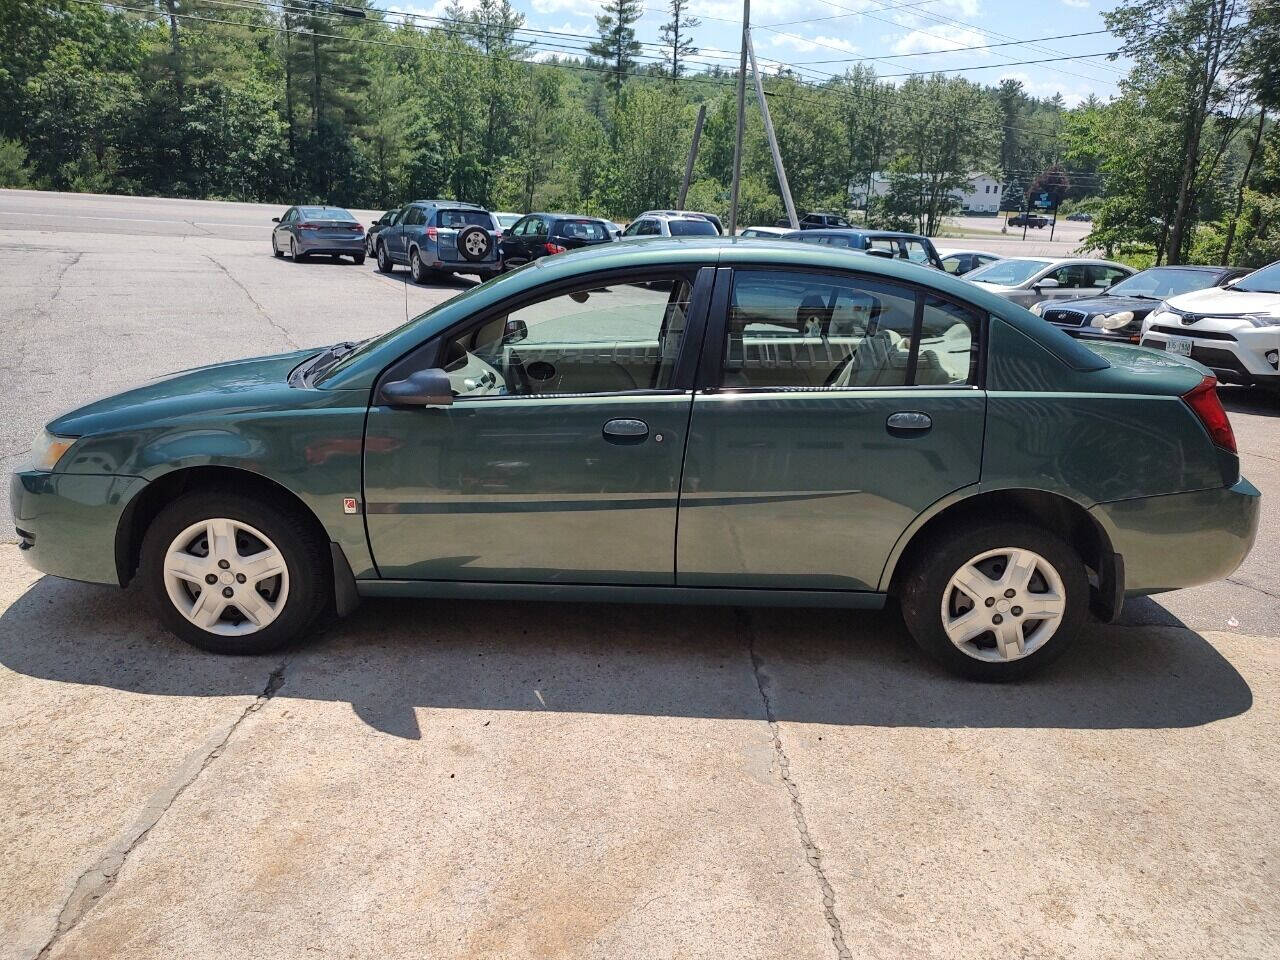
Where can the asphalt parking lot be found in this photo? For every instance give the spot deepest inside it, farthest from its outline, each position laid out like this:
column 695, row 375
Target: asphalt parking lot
column 522, row 780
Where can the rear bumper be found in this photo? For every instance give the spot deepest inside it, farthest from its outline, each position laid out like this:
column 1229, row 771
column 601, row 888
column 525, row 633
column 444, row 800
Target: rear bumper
column 342, row 246
column 67, row 522
column 1182, row 539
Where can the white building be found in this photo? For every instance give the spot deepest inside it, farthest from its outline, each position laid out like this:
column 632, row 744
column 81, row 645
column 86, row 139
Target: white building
column 980, row 195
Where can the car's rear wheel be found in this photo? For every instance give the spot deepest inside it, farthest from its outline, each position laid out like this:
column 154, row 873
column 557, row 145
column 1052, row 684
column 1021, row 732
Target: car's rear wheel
column 293, row 250
column 384, row 259
column 358, row 258
column 235, row 574
column 416, row 270
column 997, row 602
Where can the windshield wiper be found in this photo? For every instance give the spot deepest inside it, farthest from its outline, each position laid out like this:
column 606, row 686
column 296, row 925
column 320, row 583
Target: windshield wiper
column 326, row 359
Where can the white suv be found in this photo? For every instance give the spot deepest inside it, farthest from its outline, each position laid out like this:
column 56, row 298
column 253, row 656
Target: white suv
column 1233, row 330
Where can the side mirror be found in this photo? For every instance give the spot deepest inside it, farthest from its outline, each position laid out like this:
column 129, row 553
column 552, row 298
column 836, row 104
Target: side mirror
column 514, row 331
column 275, row 219
column 1048, row 283
column 426, row 388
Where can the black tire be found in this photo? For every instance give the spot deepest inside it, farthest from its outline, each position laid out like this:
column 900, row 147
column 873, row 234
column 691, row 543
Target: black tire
column 293, row 251
column 922, row 590
column 385, row 263
column 358, row 258
column 474, row 243
column 275, row 247
column 417, row 272
column 310, row 595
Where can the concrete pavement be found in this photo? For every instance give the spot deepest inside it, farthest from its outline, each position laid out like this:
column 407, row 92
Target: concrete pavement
column 521, row 780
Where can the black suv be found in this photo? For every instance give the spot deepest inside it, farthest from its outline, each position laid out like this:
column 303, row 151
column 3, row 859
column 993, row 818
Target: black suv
column 816, row 221
column 540, row 234
column 1030, row 220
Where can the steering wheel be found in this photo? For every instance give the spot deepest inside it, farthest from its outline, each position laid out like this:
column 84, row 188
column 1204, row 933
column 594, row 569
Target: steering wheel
column 516, row 376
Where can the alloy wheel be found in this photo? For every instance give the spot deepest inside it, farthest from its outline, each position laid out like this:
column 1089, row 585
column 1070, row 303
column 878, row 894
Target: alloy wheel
column 226, row 577
column 1003, row 604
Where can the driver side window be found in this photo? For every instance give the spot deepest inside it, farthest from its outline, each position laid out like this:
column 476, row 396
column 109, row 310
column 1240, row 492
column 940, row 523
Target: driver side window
column 601, row 339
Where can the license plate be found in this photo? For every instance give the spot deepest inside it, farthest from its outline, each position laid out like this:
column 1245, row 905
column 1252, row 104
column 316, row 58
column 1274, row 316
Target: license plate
column 1178, row 345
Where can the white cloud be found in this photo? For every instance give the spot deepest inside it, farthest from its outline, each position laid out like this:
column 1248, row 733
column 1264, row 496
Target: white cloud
column 1078, row 4
column 807, row 45
column 920, row 41
column 572, row 8
column 1072, row 95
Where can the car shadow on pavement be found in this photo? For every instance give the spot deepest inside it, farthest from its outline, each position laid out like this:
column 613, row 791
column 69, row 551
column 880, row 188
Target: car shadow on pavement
column 1258, row 400
column 393, row 658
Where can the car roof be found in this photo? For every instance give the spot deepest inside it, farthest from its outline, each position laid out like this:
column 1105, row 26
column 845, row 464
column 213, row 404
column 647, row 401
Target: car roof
column 1191, row 266
column 448, row 203
column 960, row 251
column 566, row 216
column 856, row 232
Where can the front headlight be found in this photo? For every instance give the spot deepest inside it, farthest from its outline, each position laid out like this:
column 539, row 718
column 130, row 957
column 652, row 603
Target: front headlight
column 1160, row 314
column 1036, row 308
column 1264, row 319
column 1112, row 321
column 47, row 450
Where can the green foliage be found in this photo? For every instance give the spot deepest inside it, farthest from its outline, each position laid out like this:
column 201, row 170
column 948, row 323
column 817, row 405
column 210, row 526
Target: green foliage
column 13, row 164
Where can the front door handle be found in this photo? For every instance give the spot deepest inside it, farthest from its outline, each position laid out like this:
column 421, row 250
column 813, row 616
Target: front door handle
column 908, row 422
column 625, row 431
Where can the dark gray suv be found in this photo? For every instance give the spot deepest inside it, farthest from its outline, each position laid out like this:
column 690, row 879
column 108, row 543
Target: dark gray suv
column 435, row 237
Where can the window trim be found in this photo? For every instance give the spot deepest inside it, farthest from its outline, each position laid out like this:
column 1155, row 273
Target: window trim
column 711, row 366
column 426, row 355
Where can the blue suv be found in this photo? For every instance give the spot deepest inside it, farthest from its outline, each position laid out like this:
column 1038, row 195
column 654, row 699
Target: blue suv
column 434, row 237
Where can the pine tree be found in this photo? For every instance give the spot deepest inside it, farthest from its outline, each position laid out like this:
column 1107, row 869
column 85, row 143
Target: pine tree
column 617, row 45
column 675, row 36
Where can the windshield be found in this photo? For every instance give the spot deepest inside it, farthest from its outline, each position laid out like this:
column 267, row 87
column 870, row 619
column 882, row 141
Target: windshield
column 1264, row 280
column 506, row 220
column 324, row 213
column 1009, row 273
column 463, row 218
column 1160, row 283
column 692, row 228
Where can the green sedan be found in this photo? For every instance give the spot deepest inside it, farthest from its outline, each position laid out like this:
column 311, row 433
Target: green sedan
column 682, row 421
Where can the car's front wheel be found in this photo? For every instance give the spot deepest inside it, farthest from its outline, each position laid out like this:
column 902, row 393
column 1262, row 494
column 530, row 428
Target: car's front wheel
column 234, row 574
column 996, row 602
column 384, row 259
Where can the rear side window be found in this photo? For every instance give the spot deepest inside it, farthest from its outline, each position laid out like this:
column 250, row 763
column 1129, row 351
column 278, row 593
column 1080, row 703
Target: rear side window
column 581, row 230
column 413, row 217
column 457, row 219
column 791, row 330
column 692, row 228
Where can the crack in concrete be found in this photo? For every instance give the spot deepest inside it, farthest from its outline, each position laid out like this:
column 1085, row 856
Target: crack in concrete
column 1250, row 586
column 62, row 273
column 811, row 852
column 271, row 322
column 95, row 882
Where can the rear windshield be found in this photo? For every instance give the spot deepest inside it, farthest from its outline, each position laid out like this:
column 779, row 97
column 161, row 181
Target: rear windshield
column 581, row 230
column 692, row 228
column 1009, row 273
column 464, row 218
column 324, row 213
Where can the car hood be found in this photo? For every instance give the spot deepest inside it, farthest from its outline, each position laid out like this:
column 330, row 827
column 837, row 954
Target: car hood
column 1225, row 303
column 1095, row 305
column 233, row 387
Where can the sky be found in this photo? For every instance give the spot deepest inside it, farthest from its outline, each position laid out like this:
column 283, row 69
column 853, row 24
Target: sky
column 893, row 36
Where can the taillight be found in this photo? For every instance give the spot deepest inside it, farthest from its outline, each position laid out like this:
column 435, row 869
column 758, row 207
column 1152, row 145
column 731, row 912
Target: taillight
column 308, row 226
column 1204, row 403
column 358, row 228
column 432, row 233
column 554, row 248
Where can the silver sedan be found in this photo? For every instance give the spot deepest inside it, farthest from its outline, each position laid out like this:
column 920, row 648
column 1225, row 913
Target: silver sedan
column 1028, row 280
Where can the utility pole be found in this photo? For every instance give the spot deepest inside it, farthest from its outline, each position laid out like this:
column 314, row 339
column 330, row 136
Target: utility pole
column 693, row 155
column 742, row 117
column 773, row 140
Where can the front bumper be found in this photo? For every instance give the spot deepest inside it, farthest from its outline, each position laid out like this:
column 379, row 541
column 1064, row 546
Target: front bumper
column 1182, row 539
column 67, row 522
column 1235, row 353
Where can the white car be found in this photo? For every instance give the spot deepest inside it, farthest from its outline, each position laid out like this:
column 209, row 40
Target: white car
column 765, row 233
column 1233, row 330
column 1026, row 280
column 667, row 225
column 959, row 262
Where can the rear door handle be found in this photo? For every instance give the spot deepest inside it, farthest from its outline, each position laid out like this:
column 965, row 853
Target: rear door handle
column 625, row 431
column 908, row 421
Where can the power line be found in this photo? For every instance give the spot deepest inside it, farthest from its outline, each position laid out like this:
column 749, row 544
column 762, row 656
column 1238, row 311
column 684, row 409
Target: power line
column 981, row 46
column 995, row 66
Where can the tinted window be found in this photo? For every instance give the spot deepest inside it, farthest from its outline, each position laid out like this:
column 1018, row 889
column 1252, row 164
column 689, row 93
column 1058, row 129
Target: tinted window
column 1264, row 280
column 1008, row 272
column 325, row 213
column 1160, row 283
column 458, row 219
column 1071, row 277
column 692, row 228
column 581, row 230
column 790, row 329
column 414, row 216
column 604, row 339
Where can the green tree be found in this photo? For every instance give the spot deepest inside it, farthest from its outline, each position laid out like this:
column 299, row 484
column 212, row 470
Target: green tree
column 617, row 45
column 676, row 36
